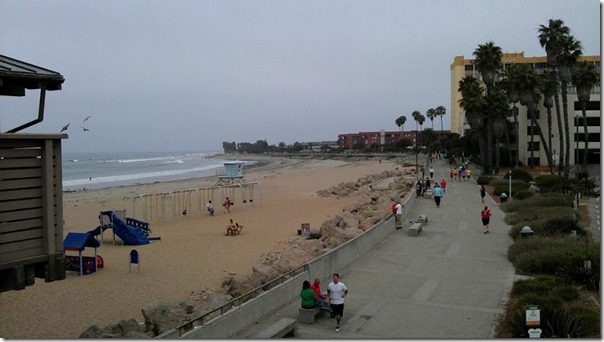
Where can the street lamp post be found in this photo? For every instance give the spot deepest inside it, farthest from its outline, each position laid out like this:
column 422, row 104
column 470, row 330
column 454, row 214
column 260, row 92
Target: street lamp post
column 510, row 184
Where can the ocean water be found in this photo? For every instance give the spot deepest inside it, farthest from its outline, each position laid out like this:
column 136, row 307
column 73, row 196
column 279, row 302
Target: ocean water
column 105, row 170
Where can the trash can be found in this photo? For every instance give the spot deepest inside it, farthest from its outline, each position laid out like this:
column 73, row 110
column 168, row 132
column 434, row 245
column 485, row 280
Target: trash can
column 526, row 231
column 503, row 197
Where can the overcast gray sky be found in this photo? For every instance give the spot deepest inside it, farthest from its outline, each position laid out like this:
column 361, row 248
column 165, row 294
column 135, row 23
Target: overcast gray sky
column 187, row 75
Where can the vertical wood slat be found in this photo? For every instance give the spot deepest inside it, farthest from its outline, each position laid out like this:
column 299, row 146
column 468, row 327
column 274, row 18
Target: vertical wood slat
column 58, row 192
column 48, row 212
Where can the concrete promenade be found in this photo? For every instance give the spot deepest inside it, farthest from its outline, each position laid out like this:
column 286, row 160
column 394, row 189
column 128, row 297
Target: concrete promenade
column 450, row 281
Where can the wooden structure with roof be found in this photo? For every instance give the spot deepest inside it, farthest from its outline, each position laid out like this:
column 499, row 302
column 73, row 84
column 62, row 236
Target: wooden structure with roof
column 31, row 202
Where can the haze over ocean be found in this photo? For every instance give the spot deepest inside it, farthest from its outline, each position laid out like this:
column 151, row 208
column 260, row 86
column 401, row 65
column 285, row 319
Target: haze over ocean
column 109, row 169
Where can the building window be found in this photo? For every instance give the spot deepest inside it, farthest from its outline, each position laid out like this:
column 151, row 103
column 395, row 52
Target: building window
column 591, row 121
column 534, row 130
column 469, row 67
column 535, row 161
column 591, row 105
column 533, row 147
column 591, row 137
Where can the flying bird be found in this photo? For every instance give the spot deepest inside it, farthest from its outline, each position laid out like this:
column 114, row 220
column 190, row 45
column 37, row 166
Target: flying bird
column 85, row 119
column 65, row 127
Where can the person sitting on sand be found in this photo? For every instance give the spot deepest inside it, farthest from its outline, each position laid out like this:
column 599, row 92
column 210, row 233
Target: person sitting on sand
column 238, row 228
column 230, row 228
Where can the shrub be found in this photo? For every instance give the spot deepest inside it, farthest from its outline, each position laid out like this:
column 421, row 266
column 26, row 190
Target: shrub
column 551, row 183
column 519, row 174
column 503, row 186
column 520, row 195
column 548, row 227
column 545, row 200
column 553, row 256
column 534, row 213
column 484, row 180
column 565, row 311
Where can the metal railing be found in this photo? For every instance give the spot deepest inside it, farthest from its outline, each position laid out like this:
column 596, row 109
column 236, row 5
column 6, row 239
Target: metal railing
column 221, row 310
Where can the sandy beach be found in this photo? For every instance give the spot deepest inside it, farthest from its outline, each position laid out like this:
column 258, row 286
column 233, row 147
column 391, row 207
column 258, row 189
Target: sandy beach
column 193, row 254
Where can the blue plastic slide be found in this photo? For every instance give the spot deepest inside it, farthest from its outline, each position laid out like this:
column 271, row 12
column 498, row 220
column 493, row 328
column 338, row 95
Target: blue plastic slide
column 132, row 232
column 130, row 235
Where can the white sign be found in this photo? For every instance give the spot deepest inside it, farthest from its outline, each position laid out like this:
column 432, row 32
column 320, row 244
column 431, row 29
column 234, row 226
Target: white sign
column 533, row 316
column 535, row 333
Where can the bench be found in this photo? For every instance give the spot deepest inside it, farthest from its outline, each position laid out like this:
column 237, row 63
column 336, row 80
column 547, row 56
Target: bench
column 422, row 219
column 307, row 316
column 414, row 229
column 283, row 327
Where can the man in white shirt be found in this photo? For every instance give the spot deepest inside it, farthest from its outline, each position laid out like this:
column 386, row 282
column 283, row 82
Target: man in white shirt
column 399, row 215
column 431, row 172
column 336, row 291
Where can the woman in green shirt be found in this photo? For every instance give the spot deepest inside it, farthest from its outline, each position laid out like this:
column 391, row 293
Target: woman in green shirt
column 308, row 296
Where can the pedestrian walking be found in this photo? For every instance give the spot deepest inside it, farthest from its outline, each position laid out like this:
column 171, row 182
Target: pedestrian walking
column 483, row 192
column 443, row 186
column 336, row 290
column 437, row 192
column 431, row 172
column 485, row 214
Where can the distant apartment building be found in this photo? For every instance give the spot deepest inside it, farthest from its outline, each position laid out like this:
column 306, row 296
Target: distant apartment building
column 351, row 140
column 462, row 67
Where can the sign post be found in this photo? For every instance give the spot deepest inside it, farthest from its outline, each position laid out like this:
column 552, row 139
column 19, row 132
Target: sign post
column 533, row 320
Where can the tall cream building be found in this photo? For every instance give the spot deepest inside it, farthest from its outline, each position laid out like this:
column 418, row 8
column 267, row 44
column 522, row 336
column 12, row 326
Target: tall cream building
column 462, row 67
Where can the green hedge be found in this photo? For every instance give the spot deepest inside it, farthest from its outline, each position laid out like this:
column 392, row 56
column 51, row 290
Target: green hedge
column 535, row 213
column 520, row 195
column 519, row 174
column 565, row 311
column 544, row 200
column 504, row 186
column 551, row 183
column 554, row 256
column 549, row 227
column 484, row 180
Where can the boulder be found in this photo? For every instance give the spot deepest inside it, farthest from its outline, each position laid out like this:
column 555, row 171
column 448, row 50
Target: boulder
column 264, row 271
column 94, row 331
column 137, row 335
column 158, row 317
column 123, row 327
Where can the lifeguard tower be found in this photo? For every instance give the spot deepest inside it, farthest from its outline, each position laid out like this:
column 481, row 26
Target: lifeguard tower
column 232, row 174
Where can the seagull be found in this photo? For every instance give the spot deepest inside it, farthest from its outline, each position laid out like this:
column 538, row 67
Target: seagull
column 65, row 127
column 85, row 119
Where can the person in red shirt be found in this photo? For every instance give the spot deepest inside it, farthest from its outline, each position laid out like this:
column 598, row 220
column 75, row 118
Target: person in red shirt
column 443, row 185
column 321, row 302
column 485, row 214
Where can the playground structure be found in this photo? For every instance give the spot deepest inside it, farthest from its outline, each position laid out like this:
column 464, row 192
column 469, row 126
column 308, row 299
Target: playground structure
column 130, row 230
column 231, row 183
column 77, row 242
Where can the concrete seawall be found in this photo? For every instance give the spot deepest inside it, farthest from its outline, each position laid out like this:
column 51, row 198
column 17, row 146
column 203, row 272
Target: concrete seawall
column 241, row 317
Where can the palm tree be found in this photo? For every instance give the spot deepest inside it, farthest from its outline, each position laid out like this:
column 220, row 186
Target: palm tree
column 548, row 87
column 400, row 122
column 559, row 47
column 570, row 49
column 441, row 111
column 528, row 87
column 472, row 101
column 431, row 114
column 421, row 120
column 488, row 62
column 510, row 84
column 585, row 78
column 497, row 103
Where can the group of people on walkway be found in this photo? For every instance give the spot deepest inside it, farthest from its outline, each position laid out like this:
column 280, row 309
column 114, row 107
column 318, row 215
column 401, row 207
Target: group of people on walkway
column 332, row 301
column 461, row 173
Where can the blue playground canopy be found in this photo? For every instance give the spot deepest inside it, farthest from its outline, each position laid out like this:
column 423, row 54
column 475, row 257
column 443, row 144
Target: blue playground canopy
column 79, row 241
